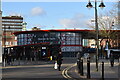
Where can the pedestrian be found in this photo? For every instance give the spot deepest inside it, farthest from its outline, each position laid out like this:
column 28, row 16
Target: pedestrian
column 59, row 60
column 111, row 59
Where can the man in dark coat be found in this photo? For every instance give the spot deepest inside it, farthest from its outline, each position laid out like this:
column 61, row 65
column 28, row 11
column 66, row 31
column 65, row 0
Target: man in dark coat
column 112, row 59
column 59, row 60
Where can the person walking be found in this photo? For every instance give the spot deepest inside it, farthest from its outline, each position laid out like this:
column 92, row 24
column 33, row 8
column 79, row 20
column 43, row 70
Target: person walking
column 59, row 60
column 111, row 59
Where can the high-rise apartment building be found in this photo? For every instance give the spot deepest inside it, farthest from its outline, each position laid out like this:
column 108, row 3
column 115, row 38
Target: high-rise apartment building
column 11, row 24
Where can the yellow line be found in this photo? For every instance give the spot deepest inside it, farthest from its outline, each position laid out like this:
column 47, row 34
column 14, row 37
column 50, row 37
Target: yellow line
column 65, row 72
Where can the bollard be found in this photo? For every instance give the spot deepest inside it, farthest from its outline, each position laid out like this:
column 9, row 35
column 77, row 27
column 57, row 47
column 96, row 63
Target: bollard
column 88, row 68
column 81, row 62
column 102, row 70
column 19, row 61
column 78, row 65
column 26, row 60
column 34, row 59
column 112, row 63
column 4, row 62
column 119, row 60
column 31, row 59
column 14, row 61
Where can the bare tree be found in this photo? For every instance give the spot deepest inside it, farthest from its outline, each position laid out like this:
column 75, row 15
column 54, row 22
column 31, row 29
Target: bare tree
column 107, row 22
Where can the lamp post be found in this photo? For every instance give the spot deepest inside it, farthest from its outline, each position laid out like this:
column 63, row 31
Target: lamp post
column 89, row 5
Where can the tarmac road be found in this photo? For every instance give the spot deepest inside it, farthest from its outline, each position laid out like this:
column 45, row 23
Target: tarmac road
column 37, row 72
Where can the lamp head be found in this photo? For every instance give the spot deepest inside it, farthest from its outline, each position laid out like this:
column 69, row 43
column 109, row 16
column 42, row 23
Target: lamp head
column 89, row 5
column 101, row 5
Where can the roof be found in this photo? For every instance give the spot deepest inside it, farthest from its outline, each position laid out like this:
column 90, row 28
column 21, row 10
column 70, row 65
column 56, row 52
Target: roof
column 56, row 30
column 87, row 34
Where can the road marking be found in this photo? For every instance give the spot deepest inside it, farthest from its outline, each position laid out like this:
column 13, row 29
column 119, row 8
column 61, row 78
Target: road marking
column 65, row 72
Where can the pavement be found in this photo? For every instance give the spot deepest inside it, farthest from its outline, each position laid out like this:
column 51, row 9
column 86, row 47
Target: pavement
column 24, row 63
column 40, row 62
column 110, row 73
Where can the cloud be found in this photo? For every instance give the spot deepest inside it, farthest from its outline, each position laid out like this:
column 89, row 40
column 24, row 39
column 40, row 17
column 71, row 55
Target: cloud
column 37, row 11
column 77, row 21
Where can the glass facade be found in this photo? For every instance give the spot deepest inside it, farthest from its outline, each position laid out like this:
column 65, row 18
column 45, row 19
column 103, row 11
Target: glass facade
column 70, row 41
column 35, row 38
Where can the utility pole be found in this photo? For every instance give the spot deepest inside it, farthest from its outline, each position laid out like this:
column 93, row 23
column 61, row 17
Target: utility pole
column 97, row 35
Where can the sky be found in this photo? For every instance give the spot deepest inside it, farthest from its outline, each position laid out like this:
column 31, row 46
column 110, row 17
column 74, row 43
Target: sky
column 54, row 15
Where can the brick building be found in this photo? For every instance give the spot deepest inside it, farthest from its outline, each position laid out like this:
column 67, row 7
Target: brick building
column 11, row 24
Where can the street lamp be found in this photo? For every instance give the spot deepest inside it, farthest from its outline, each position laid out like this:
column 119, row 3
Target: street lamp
column 89, row 5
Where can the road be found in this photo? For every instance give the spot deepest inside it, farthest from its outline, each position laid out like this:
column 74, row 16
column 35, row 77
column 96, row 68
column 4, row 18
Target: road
column 68, row 71
column 43, row 71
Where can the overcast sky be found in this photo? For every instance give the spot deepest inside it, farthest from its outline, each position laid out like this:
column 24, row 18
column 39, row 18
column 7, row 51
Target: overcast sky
column 53, row 15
